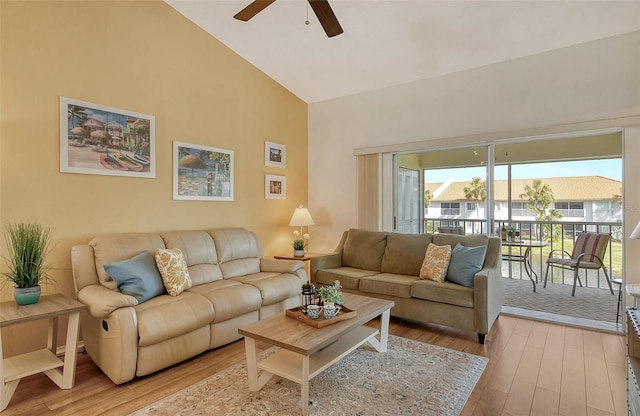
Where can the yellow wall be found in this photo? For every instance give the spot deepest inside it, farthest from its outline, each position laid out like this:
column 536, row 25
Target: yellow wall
column 144, row 57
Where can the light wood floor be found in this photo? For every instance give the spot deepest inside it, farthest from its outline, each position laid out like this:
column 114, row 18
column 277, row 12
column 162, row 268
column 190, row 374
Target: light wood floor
column 535, row 368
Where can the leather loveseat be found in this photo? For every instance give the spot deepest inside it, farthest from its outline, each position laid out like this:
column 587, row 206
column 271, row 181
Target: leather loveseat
column 232, row 286
column 388, row 265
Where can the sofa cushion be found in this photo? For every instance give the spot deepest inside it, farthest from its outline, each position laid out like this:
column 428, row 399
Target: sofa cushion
column 348, row 276
column 445, row 292
column 111, row 248
column 238, row 251
column 465, row 263
column 199, row 253
column 137, row 277
column 388, row 284
column 230, row 299
column 165, row 317
column 364, row 249
column 274, row 287
column 173, row 270
column 435, row 264
column 404, row 253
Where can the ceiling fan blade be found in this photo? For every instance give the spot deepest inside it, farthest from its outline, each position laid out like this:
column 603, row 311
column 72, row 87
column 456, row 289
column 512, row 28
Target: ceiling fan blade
column 326, row 17
column 252, row 9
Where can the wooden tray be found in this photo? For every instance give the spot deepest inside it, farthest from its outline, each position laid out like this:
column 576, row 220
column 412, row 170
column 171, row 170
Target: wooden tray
column 297, row 313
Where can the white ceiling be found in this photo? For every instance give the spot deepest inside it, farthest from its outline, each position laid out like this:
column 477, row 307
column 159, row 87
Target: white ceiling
column 391, row 42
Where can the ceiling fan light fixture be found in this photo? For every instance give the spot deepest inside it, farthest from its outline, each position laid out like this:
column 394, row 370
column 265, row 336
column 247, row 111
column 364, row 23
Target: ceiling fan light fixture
column 321, row 8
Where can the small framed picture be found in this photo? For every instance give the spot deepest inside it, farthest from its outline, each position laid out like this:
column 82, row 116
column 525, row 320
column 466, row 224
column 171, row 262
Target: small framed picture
column 275, row 187
column 275, row 155
column 202, row 173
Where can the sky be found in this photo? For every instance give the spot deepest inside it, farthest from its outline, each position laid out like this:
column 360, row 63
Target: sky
column 608, row 168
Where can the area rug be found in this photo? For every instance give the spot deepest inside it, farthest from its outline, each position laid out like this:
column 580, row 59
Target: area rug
column 412, row 378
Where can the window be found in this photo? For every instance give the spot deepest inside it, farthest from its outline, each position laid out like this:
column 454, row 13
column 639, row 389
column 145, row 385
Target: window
column 601, row 206
column 471, row 206
column 571, row 209
column 450, row 208
column 519, row 209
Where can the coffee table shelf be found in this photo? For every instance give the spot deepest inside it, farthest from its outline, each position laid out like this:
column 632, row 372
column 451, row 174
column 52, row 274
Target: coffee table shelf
column 288, row 364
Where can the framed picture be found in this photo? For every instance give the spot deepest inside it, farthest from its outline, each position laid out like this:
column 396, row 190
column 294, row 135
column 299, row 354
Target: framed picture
column 100, row 140
column 202, row 173
column 275, row 187
column 275, row 155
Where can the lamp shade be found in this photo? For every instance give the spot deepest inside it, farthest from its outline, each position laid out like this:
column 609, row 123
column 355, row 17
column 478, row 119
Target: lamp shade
column 301, row 217
column 636, row 232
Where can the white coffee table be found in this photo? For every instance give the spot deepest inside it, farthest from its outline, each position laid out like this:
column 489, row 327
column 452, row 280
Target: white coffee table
column 306, row 351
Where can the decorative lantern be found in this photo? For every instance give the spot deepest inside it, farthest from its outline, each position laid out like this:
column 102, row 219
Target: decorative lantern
column 308, row 295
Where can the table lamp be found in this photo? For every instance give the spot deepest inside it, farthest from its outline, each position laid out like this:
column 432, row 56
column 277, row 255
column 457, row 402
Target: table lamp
column 301, row 218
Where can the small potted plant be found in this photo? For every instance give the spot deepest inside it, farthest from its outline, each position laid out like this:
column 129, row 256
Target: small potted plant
column 298, row 247
column 300, row 244
column 511, row 232
column 28, row 245
column 331, row 294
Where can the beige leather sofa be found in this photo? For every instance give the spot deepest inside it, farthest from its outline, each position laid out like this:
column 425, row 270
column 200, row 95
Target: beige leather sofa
column 232, row 286
column 387, row 265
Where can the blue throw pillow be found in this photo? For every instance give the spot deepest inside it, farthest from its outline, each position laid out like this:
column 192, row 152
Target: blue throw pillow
column 138, row 276
column 465, row 263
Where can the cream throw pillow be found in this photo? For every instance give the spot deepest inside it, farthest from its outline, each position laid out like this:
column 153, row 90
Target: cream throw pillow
column 436, row 262
column 173, row 270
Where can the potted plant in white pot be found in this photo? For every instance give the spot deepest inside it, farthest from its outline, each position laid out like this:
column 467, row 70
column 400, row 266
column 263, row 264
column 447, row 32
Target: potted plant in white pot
column 300, row 244
column 331, row 295
column 28, row 245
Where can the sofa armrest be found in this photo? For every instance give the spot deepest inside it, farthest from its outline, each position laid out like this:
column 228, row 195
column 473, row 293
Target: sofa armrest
column 295, row 267
column 329, row 261
column 280, row 266
column 101, row 301
column 487, row 298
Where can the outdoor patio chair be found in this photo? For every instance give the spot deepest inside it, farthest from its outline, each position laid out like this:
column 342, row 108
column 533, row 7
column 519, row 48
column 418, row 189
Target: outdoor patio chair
column 451, row 230
column 588, row 253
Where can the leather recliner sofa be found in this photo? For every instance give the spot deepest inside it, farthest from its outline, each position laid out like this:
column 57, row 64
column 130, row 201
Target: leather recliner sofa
column 232, row 286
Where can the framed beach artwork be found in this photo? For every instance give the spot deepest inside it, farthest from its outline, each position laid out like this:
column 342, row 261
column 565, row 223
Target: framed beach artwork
column 275, row 155
column 275, row 187
column 100, row 140
column 202, row 173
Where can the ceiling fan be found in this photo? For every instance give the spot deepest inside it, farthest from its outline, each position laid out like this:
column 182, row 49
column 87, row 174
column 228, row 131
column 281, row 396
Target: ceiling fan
column 321, row 8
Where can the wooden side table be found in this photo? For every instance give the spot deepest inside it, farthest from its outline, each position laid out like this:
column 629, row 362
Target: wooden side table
column 42, row 361
column 306, row 257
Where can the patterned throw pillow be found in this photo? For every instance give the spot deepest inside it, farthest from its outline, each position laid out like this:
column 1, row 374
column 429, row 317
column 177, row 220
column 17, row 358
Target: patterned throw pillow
column 173, row 270
column 436, row 262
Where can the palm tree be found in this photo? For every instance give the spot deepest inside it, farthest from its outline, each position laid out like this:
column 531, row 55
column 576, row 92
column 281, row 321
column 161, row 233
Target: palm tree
column 428, row 196
column 539, row 198
column 476, row 192
column 77, row 115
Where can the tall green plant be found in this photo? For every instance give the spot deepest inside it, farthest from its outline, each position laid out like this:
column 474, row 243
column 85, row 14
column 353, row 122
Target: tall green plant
column 539, row 199
column 476, row 192
column 27, row 247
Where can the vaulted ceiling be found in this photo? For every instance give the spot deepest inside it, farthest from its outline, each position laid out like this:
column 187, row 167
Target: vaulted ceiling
column 392, row 42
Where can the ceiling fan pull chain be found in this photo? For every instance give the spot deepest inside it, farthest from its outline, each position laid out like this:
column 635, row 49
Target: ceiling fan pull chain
column 306, row 22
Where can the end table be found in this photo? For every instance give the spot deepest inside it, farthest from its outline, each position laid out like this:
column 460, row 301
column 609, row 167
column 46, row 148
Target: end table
column 306, row 257
column 45, row 361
